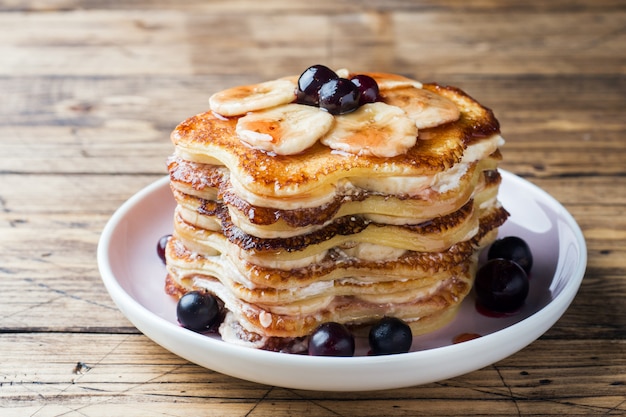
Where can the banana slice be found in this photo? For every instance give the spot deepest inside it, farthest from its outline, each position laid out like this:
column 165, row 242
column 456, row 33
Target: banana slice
column 376, row 129
column 243, row 99
column 284, row 130
column 343, row 73
column 426, row 108
column 384, row 81
column 393, row 81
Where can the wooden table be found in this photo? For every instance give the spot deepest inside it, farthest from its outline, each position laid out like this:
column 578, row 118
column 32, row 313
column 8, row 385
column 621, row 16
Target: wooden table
column 91, row 90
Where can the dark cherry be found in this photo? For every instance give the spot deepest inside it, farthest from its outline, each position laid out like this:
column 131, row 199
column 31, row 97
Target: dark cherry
column 514, row 249
column 162, row 243
column 197, row 310
column 339, row 96
column 389, row 336
column 368, row 87
column 310, row 82
column 501, row 285
column 331, row 339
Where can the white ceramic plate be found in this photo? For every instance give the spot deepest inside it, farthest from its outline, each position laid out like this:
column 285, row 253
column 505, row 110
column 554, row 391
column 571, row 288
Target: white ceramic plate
column 134, row 276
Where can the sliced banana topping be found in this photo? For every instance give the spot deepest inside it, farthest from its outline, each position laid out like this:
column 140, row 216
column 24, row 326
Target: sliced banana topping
column 376, row 129
column 271, row 121
column 243, row 99
column 427, row 109
column 284, row 130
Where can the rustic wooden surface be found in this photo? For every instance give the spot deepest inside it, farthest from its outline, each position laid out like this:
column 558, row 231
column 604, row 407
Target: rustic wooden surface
column 90, row 91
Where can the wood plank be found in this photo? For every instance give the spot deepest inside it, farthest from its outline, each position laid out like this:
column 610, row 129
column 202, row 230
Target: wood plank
column 175, row 42
column 525, row 105
column 121, row 372
column 322, row 6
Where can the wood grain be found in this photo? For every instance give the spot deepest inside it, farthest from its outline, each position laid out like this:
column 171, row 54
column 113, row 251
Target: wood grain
column 129, row 371
column 92, row 89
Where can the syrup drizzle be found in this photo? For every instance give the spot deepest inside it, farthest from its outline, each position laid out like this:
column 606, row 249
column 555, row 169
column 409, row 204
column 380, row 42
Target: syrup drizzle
column 464, row 337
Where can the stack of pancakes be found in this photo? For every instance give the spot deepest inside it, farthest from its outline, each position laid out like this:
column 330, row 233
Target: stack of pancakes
column 287, row 242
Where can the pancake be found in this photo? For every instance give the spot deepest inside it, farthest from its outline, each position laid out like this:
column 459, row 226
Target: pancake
column 293, row 218
column 308, row 178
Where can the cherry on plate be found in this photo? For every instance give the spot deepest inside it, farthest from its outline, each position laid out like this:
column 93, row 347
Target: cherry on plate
column 501, row 285
column 331, row 339
column 197, row 310
column 161, row 245
column 513, row 248
column 390, row 336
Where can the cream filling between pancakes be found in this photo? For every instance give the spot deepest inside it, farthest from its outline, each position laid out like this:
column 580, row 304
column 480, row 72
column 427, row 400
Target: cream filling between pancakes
column 205, row 241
